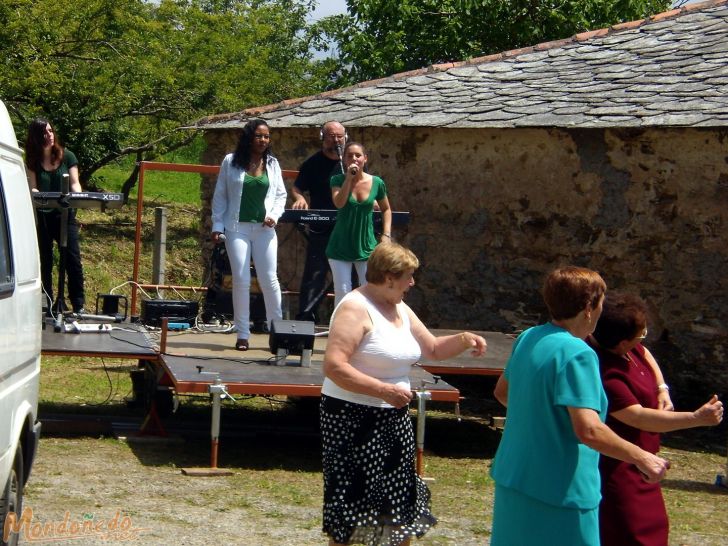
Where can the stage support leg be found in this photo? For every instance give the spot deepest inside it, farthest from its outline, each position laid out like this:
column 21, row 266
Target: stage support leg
column 217, row 391
column 152, row 425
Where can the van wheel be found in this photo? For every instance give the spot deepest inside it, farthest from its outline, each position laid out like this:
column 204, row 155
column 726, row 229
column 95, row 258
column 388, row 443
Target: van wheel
column 11, row 500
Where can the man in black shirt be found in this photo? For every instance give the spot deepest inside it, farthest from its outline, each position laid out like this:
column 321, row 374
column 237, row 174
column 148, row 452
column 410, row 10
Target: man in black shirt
column 313, row 178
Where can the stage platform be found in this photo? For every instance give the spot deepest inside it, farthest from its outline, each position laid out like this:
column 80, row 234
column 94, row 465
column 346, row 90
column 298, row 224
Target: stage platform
column 191, row 362
column 190, row 343
column 492, row 363
column 131, row 341
column 255, row 371
column 194, row 361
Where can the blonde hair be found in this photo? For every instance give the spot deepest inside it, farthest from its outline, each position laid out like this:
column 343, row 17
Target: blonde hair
column 390, row 259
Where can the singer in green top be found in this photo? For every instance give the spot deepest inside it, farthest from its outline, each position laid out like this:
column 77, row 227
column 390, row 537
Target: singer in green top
column 352, row 241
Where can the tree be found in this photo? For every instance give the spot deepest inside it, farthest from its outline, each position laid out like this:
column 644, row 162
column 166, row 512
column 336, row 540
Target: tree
column 120, row 77
column 382, row 37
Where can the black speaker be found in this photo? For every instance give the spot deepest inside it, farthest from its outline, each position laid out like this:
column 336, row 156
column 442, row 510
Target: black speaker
column 153, row 311
column 292, row 335
column 110, row 304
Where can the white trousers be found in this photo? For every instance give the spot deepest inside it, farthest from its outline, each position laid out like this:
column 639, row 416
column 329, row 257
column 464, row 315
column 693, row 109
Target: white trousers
column 261, row 243
column 341, row 273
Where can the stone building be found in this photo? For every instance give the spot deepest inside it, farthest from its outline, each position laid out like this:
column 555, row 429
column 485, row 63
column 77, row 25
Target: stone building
column 608, row 150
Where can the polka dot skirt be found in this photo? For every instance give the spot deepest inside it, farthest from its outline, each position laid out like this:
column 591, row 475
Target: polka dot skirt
column 372, row 494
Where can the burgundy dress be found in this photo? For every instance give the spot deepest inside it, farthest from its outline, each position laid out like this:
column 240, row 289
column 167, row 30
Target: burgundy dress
column 632, row 511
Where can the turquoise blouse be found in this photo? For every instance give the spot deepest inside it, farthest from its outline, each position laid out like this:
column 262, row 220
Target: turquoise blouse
column 539, row 454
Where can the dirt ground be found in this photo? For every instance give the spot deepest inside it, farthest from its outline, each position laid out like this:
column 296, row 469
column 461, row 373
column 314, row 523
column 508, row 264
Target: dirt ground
column 138, row 499
column 133, row 492
column 94, row 488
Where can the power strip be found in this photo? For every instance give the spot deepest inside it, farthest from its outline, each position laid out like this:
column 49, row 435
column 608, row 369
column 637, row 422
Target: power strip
column 77, row 328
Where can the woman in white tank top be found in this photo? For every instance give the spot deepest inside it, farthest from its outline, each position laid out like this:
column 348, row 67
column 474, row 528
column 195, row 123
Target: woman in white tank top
column 372, row 493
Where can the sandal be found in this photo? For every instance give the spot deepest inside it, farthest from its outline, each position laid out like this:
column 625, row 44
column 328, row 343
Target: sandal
column 242, row 345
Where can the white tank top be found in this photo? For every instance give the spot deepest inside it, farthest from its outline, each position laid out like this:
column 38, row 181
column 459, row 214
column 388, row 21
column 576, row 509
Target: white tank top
column 386, row 352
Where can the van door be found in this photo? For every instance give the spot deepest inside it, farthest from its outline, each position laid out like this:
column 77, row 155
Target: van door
column 20, row 318
column 7, row 287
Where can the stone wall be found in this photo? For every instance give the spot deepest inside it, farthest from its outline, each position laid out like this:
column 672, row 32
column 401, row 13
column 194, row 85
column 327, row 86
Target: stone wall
column 492, row 210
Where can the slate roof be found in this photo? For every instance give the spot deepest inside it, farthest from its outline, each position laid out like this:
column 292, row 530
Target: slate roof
column 668, row 70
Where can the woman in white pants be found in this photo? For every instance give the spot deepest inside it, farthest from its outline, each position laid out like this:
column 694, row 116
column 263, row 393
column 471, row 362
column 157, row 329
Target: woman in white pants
column 249, row 198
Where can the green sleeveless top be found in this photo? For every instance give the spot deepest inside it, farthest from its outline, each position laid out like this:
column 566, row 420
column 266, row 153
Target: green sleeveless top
column 352, row 239
column 53, row 180
column 252, row 202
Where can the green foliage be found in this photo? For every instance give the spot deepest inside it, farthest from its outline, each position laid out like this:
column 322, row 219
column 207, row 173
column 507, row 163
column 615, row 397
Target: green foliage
column 382, row 37
column 122, row 77
column 175, row 186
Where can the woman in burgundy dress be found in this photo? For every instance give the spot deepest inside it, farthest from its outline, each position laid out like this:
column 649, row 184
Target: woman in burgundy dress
column 632, row 511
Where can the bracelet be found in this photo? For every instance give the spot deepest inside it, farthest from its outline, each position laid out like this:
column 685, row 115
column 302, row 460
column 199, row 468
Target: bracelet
column 663, row 387
column 464, row 340
column 386, row 235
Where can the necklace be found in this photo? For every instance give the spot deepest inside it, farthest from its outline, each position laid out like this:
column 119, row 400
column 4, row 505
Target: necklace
column 632, row 361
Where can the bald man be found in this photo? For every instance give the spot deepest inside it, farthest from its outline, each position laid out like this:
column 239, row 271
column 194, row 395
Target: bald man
column 313, row 179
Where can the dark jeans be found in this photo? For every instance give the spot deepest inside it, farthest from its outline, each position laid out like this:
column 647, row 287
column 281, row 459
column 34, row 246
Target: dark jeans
column 49, row 230
column 315, row 277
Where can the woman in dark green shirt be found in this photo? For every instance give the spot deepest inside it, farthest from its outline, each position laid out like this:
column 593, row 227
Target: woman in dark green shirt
column 47, row 161
column 353, row 240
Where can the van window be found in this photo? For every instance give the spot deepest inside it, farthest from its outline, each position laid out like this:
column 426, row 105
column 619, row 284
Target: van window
column 6, row 257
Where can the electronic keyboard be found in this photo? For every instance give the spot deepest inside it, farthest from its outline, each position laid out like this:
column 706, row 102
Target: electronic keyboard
column 322, row 217
column 77, row 200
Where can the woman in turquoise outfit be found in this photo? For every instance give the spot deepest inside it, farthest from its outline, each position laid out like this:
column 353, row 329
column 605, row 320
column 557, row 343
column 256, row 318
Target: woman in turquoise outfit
column 546, row 467
column 352, row 240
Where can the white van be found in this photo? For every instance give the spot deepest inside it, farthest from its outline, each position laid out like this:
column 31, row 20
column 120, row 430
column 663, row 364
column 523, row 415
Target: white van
column 20, row 328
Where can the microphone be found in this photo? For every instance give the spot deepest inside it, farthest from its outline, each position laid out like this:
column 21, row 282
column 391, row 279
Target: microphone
column 341, row 162
column 222, row 238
